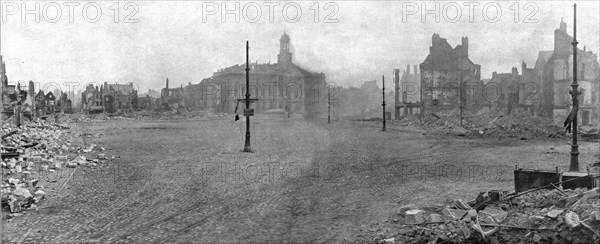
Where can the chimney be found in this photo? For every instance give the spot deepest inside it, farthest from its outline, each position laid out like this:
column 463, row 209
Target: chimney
column 31, row 94
column 563, row 26
column 407, row 69
column 415, row 69
column 167, row 83
column 465, row 46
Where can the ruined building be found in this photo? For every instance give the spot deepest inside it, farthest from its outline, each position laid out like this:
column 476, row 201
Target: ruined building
column 283, row 85
column 447, row 73
column 407, row 93
column 119, row 97
column 172, row 98
column 109, row 98
column 64, row 104
column 513, row 92
column 11, row 94
column 91, row 100
column 45, row 104
column 554, row 73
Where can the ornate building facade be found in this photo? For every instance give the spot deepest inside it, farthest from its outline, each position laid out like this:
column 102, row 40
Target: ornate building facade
column 283, row 85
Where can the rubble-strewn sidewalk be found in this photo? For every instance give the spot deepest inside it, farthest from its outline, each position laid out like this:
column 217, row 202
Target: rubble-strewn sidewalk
column 39, row 158
column 543, row 216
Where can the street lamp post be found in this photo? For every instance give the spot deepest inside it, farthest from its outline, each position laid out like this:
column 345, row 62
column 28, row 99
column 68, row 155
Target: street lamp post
column 574, row 166
column 247, row 101
column 328, row 104
column 461, row 103
column 383, row 104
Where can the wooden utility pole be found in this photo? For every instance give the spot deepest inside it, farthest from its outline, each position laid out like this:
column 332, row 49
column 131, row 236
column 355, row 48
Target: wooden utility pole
column 574, row 166
column 383, row 104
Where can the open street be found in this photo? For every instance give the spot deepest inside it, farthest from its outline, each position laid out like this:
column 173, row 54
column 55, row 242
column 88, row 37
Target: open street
column 307, row 181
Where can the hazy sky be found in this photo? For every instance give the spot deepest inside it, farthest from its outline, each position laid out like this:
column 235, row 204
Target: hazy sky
column 176, row 39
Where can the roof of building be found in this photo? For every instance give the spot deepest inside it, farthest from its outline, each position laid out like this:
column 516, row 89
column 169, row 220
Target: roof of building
column 443, row 56
column 50, row 96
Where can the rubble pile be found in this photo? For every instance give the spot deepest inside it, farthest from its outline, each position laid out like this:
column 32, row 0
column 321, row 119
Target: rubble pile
column 144, row 115
column 589, row 133
column 35, row 154
column 78, row 118
column 517, row 125
column 543, row 216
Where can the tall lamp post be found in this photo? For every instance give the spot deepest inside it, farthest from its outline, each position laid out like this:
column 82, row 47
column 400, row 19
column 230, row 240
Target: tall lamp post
column 328, row 104
column 248, row 112
column 383, row 104
column 574, row 166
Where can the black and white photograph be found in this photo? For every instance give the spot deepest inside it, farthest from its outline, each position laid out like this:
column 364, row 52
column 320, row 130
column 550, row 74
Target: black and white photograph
column 300, row 121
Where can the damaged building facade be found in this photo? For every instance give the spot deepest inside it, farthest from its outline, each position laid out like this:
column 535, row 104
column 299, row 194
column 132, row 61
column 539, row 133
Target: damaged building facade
column 447, row 76
column 282, row 85
column 109, row 98
column 512, row 92
column 407, row 93
column 555, row 72
column 172, row 98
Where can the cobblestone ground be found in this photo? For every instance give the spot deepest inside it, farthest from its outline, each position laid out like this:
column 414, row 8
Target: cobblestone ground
column 306, row 182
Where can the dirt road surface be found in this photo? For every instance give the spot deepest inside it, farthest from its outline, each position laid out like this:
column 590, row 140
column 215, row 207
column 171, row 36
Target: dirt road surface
column 307, row 182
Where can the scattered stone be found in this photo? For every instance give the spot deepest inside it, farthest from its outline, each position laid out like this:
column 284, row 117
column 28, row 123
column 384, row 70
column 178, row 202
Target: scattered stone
column 554, row 213
column 595, row 215
column 35, row 146
column 435, row 218
column 453, row 213
column 389, row 241
column 571, row 219
column 22, row 192
column 493, row 213
column 414, row 216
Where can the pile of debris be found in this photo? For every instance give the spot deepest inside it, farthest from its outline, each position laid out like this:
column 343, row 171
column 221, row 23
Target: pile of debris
column 589, row 133
column 517, row 125
column 78, row 118
column 544, row 216
column 35, row 154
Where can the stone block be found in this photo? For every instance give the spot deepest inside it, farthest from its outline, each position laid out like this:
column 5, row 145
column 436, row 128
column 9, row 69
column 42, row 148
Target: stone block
column 414, row 216
column 435, row 218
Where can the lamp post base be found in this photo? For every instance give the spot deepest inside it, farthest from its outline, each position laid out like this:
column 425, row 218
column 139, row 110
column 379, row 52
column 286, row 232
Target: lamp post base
column 247, row 147
column 574, row 166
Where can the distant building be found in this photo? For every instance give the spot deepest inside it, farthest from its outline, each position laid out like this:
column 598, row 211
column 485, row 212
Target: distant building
column 119, row 97
column 91, row 100
column 45, row 103
column 554, row 70
column 64, row 104
column 172, row 98
column 109, row 98
column 11, row 94
column 407, row 92
column 146, row 103
column 505, row 91
column 445, row 73
column 362, row 102
column 277, row 86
